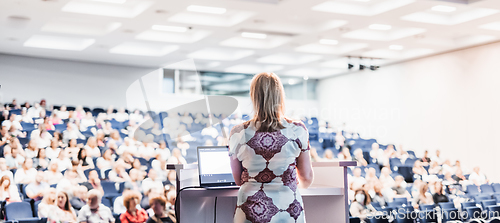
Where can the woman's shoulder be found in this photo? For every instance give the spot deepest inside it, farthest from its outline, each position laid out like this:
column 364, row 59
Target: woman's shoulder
column 240, row 127
column 295, row 123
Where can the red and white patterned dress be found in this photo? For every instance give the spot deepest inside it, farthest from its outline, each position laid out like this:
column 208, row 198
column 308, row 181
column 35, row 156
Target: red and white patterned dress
column 269, row 190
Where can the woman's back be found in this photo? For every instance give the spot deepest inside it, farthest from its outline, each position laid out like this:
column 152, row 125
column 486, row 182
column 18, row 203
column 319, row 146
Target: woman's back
column 269, row 177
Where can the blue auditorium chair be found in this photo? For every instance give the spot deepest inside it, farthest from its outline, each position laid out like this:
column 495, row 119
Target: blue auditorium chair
column 19, row 211
column 428, row 216
column 402, row 200
column 480, row 198
column 395, row 162
column 406, row 172
column 487, row 189
column 410, row 161
column 395, row 204
column 486, row 203
column 446, row 205
column 426, row 207
column 109, row 188
column 379, row 219
column 493, row 211
column 472, row 190
column 468, row 204
column 451, row 214
column 354, row 220
column 473, row 213
column 496, row 187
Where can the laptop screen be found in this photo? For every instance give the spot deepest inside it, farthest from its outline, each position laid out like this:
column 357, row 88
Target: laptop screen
column 214, row 166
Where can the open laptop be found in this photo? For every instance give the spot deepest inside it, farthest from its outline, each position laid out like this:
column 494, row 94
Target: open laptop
column 214, row 167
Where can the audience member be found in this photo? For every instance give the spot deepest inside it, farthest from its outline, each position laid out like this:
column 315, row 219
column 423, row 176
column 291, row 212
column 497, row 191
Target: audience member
column 361, row 206
column 36, row 189
column 26, row 174
column 477, row 177
column 48, row 202
column 53, row 175
column 133, row 214
column 423, row 196
column 8, row 191
column 79, row 198
column 439, row 195
column 95, row 211
column 62, row 212
column 158, row 205
column 41, row 161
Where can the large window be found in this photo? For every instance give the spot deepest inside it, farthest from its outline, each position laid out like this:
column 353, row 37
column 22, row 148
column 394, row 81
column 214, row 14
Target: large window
column 230, row 84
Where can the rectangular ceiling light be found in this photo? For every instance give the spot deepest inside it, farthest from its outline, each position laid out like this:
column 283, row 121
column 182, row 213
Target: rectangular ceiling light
column 143, row 49
column 58, row 42
column 253, row 35
column 206, row 9
column 130, row 9
column 178, row 29
column 396, row 47
column 380, row 27
column 111, row 1
column 328, row 41
column 443, row 8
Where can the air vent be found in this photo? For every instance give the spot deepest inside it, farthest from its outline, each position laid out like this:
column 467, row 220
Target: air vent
column 19, row 18
column 466, row 2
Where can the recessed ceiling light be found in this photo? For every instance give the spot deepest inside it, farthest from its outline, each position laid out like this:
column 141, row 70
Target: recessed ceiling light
column 396, row 47
column 178, row 29
column 380, row 27
column 111, row 1
column 206, row 9
column 58, row 42
column 143, row 49
column 328, row 41
column 254, row 35
column 444, row 8
column 306, row 78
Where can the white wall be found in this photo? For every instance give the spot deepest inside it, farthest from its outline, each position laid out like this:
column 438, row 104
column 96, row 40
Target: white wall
column 96, row 85
column 65, row 82
column 449, row 102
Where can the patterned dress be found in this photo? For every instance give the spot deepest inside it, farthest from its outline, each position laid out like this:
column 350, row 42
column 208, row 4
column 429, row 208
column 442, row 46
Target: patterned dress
column 269, row 180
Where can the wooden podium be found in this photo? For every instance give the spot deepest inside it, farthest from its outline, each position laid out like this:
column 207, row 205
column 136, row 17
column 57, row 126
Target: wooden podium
column 324, row 201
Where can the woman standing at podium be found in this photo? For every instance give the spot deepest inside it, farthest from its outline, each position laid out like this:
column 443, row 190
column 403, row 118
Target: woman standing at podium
column 270, row 158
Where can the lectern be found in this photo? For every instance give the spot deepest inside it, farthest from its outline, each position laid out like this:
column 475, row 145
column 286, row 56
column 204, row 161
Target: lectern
column 324, row 201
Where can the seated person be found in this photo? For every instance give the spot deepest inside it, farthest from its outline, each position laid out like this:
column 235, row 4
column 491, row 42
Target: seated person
column 399, row 187
column 8, row 191
column 134, row 214
column 36, row 189
column 423, row 197
column 439, row 196
column 79, row 198
column 26, row 174
column 62, row 212
column 47, row 203
column 158, row 205
column 94, row 211
column 361, row 206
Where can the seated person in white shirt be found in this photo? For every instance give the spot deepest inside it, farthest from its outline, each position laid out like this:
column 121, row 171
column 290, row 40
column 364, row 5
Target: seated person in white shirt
column 94, row 211
column 121, row 116
column 27, row 174
column 37, row 189
column 4, row 170
column 477, row 177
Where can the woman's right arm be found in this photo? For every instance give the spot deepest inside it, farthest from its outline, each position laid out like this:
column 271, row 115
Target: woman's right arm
column 237, row 169
column 304, row 169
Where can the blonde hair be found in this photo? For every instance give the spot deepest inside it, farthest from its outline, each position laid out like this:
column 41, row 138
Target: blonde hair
column 268, row 98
